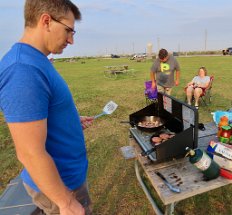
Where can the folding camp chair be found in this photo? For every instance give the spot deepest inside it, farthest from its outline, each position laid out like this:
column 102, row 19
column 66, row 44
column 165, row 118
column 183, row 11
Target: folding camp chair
column 206, row 96
column 150, row 94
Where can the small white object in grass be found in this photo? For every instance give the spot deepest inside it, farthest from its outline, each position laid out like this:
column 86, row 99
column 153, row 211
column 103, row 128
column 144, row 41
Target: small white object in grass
column 128, row 152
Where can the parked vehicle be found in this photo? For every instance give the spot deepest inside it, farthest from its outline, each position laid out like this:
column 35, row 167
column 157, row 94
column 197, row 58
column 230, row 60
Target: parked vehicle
column 115, row 56
column 136, row 56
column 175, row 54
column 227, row 51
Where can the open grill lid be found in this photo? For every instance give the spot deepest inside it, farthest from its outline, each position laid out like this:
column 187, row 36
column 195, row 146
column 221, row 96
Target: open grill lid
column 179, row 117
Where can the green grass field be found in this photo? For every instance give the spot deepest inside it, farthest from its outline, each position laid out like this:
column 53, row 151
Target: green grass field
column 113, row 185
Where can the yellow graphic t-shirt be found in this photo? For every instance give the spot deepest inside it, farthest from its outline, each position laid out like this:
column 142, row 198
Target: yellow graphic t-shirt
column 165, row 71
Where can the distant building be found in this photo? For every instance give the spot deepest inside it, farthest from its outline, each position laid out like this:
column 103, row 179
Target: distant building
column 149, row 50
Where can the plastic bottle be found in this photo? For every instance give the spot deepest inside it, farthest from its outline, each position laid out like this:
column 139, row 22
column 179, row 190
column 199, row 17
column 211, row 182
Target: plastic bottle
column 204, row 163
column 225, row 134
column 230, row 134
column 224, row 121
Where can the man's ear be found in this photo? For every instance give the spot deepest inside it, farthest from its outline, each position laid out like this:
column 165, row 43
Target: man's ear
column 45, row 21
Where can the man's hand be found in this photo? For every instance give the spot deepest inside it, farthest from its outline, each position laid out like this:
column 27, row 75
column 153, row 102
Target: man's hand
column 86, row 121
column 73, row 208
column 177, row 82
column 153, row 85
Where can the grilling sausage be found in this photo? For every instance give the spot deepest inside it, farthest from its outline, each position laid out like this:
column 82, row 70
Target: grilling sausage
column 171, row 135
column 161, row 138
column 164, row 136
column 156, row 139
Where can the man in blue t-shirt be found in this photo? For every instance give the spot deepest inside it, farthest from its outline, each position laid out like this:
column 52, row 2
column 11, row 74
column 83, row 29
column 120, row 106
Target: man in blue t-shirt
column 41, row 114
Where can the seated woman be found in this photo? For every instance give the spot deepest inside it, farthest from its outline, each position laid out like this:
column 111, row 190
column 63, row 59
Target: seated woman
column 197, row 86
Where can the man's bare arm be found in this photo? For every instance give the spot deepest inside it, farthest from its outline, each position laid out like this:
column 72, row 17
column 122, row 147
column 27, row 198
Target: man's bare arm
column 152, row 76
column 29, row 139
column 177, row 78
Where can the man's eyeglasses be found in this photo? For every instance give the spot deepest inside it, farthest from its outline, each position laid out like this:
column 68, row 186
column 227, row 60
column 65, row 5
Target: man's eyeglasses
column 68, row 29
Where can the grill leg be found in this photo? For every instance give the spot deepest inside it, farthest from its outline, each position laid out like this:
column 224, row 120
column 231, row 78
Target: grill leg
column 153, row 203
column 169, row 209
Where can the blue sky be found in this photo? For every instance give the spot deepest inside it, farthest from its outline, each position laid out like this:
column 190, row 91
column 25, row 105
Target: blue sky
column 127, row 26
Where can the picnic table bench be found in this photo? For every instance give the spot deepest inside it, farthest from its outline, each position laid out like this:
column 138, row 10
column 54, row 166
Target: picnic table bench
column 113, row 71
column 178, row 172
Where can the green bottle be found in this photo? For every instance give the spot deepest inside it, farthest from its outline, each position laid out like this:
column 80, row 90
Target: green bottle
column 204, row 163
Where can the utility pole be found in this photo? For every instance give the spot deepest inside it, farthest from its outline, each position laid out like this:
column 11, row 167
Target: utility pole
column 133, row 47
column 205, row 39
column 158, row 43
column 116, row 49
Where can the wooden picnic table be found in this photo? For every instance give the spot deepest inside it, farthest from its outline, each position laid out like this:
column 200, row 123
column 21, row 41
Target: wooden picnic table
column 179, row 172
column 114, row 70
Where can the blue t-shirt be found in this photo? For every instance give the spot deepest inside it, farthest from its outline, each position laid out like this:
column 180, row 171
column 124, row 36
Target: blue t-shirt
column 31, row 89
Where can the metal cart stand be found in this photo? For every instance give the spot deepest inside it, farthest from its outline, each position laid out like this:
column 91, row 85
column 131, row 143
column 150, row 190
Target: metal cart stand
column 179, row 172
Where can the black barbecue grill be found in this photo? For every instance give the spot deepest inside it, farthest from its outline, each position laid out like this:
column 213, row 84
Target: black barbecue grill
column 180, row 119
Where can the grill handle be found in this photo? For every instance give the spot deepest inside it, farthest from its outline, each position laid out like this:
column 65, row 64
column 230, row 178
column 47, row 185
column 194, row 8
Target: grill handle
column 148, row 152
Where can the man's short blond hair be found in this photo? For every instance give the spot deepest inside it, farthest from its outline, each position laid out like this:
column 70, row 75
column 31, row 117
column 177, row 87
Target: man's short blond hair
column 58, row 9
